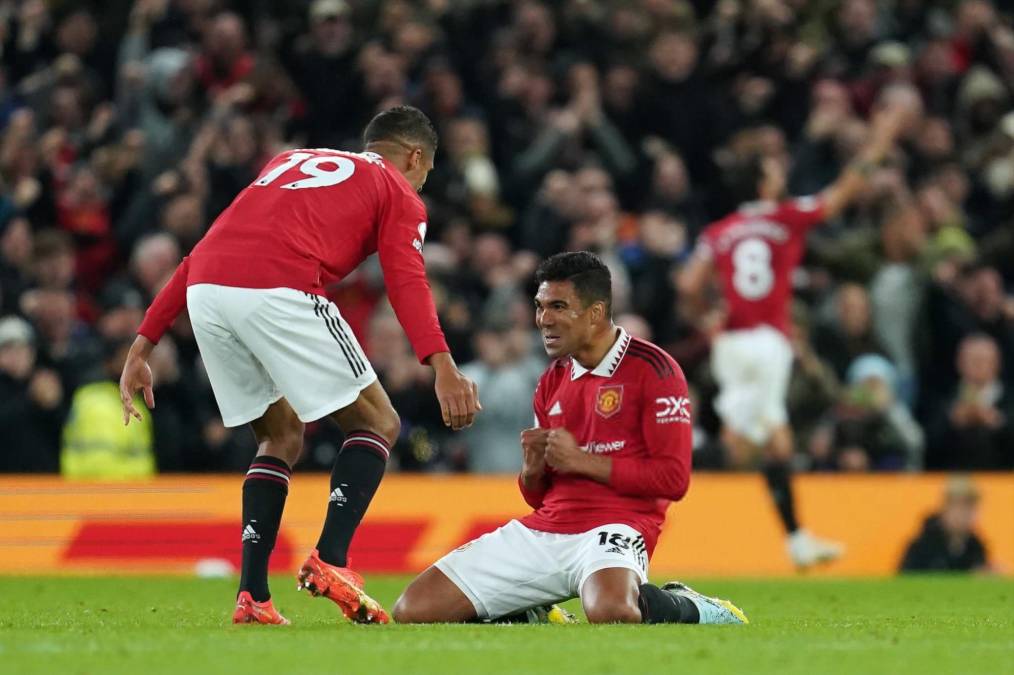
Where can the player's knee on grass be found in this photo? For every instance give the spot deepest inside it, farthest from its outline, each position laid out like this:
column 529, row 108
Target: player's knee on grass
column 610, row 596
column 433, row 598
column 406, row 610
column 414, row 607
column 613, row 612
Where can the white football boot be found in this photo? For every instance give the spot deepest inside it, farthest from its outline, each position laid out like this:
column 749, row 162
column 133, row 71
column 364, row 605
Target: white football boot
column 712, row 610
column 805, row 550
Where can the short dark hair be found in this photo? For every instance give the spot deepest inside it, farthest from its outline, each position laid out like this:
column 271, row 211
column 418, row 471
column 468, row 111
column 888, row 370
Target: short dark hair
column 402, row 124
column 743, row 179
column 585, row 270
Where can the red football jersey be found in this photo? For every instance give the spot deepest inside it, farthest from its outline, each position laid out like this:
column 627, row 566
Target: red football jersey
column 632, row 407
column 755, row 250
column 310, row 219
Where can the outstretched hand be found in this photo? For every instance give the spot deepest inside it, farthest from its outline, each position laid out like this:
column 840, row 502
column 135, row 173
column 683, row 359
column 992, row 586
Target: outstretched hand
column 136, row 376
column 458, row 395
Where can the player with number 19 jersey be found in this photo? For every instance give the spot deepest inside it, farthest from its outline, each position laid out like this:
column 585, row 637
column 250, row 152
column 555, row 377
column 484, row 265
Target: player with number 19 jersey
column 755, row 251
column 309, row 220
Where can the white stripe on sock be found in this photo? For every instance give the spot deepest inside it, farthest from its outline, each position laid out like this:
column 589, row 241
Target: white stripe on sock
column 367, row 439
column 268, row 472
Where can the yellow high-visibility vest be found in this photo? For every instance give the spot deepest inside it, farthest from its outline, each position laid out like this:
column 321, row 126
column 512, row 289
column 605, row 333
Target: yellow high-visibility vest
column 97, row 445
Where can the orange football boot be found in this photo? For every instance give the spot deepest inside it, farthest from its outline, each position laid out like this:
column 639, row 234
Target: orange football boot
column 343, row 587
column 249, row 610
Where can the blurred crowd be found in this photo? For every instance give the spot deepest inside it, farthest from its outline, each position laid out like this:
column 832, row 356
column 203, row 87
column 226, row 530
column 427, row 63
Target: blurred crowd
column 126, row 126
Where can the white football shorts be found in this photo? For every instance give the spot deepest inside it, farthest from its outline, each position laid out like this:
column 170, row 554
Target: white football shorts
column 514, row 568
column 752, row 368
column 259, row 344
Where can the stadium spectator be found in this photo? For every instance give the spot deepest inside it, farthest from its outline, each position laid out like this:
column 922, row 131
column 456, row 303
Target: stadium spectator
column 850, row 333
column 154, row 259
column 972, row 300
column 871, row 429
column 224, row 64
column 323, row 65
column 31, row 403
column 507, row 377
column 16, row 243
column 974, row 428
column 813, row 384
column 948, row 542
column 66, row 344
column 96, row 443
column 606, row 126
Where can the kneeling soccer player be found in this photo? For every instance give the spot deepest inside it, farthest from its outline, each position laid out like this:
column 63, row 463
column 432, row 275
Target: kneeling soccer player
column 610, row 451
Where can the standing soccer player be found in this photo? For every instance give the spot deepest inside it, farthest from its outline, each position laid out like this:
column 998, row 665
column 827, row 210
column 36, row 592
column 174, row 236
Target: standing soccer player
column 279, row 354
column 610, row 450
column 753, row 252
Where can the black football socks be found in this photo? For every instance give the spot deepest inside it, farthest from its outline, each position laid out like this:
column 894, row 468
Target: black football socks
column 658, row 606
column 264, row 493
column 354, row 479
column 780, row 486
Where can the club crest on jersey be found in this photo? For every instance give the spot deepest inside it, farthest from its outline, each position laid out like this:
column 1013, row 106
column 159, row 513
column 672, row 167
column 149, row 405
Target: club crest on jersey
column 609, row 400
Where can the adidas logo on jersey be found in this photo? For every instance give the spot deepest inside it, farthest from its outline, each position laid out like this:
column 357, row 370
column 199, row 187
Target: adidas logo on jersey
column 418, row 243
column 556, row 409
column 337, row 497
column 250, row 534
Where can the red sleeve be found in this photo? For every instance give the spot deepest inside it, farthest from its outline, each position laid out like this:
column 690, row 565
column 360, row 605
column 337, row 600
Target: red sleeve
column 801, row 213
column 533, row 497
column 167, row 305
column 668, row 435
column 399, row 242
column 538, row 401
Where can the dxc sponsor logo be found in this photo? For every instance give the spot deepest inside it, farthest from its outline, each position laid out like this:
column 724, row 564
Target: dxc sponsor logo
column 672, row 409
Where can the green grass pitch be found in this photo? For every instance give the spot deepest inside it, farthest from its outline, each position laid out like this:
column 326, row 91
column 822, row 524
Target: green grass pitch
column 174, row 625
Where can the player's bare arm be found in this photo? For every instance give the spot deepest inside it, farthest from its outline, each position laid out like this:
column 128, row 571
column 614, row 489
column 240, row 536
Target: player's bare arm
column 899, row 108
column 694, row 280
column 168, row 305
column 564, row 455
column 458, row 395
column 136, row 376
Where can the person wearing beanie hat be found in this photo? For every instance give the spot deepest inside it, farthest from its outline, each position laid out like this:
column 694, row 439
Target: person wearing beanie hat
column 872, row 430
column 31, row 403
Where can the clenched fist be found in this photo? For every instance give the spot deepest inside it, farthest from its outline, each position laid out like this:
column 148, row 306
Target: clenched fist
column 562, row 452
column 533, row 446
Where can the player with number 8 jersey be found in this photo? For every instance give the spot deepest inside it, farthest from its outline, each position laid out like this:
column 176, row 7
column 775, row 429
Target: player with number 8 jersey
column 278, row 354
column 753, row 253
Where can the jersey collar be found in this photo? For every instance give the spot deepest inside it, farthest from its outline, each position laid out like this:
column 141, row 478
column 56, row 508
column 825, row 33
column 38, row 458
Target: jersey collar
column 609, row 363
column 758, row 207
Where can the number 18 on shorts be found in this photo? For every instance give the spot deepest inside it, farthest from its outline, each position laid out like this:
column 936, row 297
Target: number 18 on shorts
column 514, row 567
